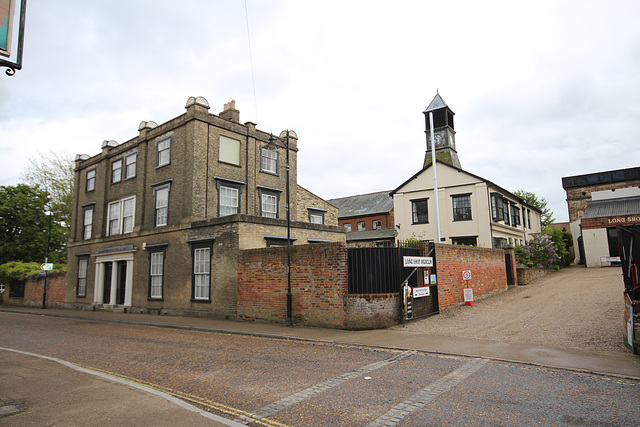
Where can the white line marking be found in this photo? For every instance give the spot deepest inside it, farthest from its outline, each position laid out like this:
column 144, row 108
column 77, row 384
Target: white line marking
column 298, row 397
column 428, row 394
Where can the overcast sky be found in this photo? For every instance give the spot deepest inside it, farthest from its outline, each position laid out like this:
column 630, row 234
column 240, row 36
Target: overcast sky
column 541, row 89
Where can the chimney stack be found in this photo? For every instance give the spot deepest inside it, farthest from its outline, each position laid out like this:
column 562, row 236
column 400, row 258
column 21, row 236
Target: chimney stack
column 230, row 113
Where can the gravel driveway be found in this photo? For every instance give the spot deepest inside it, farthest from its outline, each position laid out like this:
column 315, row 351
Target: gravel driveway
column 575, row 307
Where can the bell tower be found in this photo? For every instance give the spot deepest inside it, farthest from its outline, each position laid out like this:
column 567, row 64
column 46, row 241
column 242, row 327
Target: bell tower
column 443, row 133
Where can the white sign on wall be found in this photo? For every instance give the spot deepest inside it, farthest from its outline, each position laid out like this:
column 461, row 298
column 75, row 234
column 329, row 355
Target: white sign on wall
column 423, row 291
column 417, row 261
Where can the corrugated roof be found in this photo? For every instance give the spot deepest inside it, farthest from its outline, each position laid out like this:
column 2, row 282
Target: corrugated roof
column 612, row 207
column 363, row 204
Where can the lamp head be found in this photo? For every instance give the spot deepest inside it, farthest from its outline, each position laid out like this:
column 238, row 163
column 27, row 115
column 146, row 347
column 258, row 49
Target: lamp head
column 272, row 144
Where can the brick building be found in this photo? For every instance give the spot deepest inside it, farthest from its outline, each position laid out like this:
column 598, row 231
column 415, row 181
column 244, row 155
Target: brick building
column 158, row 221
column 368, row 219
column 597, row 203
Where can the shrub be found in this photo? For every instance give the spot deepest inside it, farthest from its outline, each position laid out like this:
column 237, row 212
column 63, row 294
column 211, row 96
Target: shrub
column 542, row 251
column 16, row 271
column 522, row 257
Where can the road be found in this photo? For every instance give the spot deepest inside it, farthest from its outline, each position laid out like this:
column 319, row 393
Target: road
column 275, row 382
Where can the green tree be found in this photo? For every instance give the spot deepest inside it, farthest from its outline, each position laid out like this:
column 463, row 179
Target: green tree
column 539, row 202
column 562, row 240
column 22, row 238
column 53, row 173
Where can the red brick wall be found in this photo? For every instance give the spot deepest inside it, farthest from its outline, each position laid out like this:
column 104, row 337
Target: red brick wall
column 318, row 284
column 386, row 221
column 56, row 284
column 488, row 273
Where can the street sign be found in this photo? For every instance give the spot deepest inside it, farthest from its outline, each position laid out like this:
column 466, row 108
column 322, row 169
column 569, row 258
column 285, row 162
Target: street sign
column 466, row 275
column 46, row 266
column 417, row 261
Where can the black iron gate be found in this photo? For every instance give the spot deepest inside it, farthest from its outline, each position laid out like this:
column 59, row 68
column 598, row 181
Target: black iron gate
column 381, row 271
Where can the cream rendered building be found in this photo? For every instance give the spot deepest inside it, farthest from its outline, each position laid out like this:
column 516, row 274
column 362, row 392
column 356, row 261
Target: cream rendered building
column 472, row 210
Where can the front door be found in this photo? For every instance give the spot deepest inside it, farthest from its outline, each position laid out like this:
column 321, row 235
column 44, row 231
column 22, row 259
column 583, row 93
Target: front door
column 121, row 282
column 614, row 244
column 106, row 294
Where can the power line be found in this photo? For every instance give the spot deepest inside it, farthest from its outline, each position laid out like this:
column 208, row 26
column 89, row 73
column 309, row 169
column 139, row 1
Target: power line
column 253, row 79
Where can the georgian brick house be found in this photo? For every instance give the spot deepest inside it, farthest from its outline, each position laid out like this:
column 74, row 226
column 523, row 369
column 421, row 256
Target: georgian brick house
column 158, row 221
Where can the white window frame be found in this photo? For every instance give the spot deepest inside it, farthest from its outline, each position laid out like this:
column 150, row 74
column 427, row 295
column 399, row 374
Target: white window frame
column 202, row 273
column 229, row 200
column 163, row 152
column 130, row 165
column 269, row 160
column 83, row 268
column 156, row 274
column 121, row 216
column 161, row 206
column 116, row 171
column 87, row 223
column 347, row 226
column 269, row 205
column 376, row 224
column 91, row 180
column 364, row 225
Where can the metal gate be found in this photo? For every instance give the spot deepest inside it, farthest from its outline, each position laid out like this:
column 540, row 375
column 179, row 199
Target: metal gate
column 381, row 271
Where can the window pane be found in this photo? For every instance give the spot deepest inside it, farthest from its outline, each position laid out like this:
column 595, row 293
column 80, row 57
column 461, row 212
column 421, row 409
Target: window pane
column 91, row 180
column 228, row 201
column 316, row 219
column 419, row 210
column 229, row 150
column 82, row 276
column 116, row 171
column 201, row 265
column 269, row 160
column 162, row 206
column 114, row 218
column 164, row 152
column 461, row 208
column 269, row 206
column 88, row 223
column 127, row 225
column 157, row 261
column 130, row 166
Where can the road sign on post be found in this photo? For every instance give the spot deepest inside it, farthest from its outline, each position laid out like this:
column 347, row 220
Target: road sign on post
column 468, row 292
column 46, row 266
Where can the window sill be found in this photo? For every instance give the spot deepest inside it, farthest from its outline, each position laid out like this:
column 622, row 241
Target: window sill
column 205, row 301
column 155, row 299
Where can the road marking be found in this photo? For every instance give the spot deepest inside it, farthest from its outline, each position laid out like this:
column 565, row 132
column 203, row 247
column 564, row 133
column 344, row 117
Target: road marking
column 534, row 318
column 428, row 394
column 272, row 408
column 173, row 396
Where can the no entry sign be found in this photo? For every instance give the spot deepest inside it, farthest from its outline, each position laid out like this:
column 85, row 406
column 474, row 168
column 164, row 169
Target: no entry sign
column 466, row 275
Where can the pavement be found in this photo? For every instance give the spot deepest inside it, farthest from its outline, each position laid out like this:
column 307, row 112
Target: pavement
column 36, row 390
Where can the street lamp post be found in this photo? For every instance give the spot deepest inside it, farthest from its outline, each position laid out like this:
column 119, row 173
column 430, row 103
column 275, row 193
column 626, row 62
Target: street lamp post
column 46, row 258
column 272, row 145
